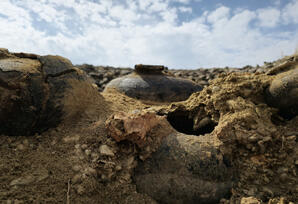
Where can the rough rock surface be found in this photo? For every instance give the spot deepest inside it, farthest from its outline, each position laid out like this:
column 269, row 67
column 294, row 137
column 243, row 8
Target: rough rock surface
column 31, row 91
column 137, row 128
column 101, row 75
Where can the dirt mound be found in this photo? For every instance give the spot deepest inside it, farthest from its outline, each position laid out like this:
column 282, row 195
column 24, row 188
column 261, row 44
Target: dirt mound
column 257, row 143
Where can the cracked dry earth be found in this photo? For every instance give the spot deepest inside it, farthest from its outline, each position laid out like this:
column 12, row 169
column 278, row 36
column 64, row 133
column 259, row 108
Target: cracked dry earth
column 64, row 142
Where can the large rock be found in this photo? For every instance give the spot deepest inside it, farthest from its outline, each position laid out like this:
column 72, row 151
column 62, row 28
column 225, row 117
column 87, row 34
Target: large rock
column 283, row 93
column 31, row 88
column 186, row 169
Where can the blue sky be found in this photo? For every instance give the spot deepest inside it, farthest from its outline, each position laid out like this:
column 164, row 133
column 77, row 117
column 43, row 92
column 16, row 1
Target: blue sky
column 176, row 33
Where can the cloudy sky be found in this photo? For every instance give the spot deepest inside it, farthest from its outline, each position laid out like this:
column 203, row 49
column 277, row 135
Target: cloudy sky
column 175, row 33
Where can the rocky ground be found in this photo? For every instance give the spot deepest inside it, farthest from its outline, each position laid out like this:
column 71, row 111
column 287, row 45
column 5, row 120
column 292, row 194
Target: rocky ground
column 62, row 140
column 102, row 75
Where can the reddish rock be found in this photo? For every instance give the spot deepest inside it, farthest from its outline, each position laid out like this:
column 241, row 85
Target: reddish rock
column 137, row 128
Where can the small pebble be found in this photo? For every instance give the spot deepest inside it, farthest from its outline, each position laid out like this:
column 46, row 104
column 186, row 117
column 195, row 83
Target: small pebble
column 21, row 147
column 80, row 190
column 118, row 168
column 91, row 171
column 26, row 142
column 94, row 155
column 291, row 138
column 69, row 139
column 76, row 168
column 105, row 150
column 267, row 139
column 84, row 146
column 215, row 89
column 77, row 179
column 88, row 152
column 253, row 138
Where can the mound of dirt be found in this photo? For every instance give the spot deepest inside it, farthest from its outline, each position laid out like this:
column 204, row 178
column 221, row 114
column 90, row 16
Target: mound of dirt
column 256, row 142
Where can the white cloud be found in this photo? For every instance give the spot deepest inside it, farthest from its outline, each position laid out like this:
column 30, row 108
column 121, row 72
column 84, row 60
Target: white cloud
column 158, row 5
column 138, row 31
column 170, row 15
column 125, row 16
column 183, row 1
column 220, row 13
column 185, row 9
column 269, row 17
column 290, row 12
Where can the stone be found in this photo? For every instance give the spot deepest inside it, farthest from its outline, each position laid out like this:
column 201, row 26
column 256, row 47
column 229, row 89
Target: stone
column 80, row 189
column 76, row 168
column 88, row 152
column 135, row 127
column 22, row 65
column 70, row 139
column 77, row 179
column 84, row 146
column 37, row 176
column 105, row 150
column 22, row 181
column 53, row 65
column 21, row 147
column 249, row 200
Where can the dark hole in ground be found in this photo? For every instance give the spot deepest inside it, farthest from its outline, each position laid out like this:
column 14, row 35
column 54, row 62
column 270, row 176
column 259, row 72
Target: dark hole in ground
column 182, row 122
